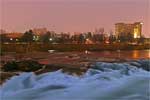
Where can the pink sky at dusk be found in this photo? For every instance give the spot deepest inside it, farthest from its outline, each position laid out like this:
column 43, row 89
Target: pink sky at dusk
column 73, row 15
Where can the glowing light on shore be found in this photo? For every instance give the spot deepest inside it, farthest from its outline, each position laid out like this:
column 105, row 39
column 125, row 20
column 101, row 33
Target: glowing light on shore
column 135, row 35
column 11, row 39
column 141, row 23
column 50, row 39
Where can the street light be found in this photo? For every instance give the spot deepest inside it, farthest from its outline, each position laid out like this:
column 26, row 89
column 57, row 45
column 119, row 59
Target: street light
column 87, row 39
column 50, row 39
column 11, row 39
column 16, row 39
column 141, row 23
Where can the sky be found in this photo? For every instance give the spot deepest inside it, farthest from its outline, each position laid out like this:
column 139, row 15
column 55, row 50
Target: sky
column 73, row 15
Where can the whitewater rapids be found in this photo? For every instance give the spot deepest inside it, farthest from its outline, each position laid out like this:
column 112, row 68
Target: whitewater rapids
column 103, row 81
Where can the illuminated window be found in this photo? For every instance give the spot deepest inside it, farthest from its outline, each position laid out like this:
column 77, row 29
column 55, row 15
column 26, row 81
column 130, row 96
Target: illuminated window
column 135, row 35
column 136, row 31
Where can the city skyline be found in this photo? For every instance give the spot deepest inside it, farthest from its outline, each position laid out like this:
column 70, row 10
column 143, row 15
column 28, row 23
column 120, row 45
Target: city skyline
column 73, row 15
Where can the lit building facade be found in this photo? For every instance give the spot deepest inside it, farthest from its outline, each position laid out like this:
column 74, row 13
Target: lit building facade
column 124, row 29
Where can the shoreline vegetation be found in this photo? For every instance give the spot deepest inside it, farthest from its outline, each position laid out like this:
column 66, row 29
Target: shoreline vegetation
column 44, row 47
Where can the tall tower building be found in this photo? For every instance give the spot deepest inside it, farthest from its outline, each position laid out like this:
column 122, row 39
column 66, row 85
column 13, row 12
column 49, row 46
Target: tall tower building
column 119, row 28
column 124, row 29
column 137, row 29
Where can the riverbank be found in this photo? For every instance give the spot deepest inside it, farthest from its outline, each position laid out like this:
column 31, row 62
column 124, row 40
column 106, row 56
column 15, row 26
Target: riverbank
column 75, row 63
column 44, row 47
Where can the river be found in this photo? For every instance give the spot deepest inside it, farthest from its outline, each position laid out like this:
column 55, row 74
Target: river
column 132, row 54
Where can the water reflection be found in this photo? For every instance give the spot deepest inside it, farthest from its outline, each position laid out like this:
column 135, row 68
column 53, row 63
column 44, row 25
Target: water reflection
column 132, row 54
column 135, row 54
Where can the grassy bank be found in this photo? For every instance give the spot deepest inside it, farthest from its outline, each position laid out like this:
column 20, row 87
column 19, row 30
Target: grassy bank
column 22, row 48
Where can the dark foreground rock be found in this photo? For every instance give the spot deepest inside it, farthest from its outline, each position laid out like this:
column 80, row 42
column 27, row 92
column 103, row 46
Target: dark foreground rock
column 144, row 64
column 12, row 68
column 67, row 68
column 22, row 66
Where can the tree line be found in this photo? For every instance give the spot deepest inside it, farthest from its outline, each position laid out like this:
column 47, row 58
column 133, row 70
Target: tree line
column 52, row 37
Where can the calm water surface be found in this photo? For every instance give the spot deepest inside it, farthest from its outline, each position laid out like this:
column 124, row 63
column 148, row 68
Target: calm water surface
column 76, row 57
column 132, row 54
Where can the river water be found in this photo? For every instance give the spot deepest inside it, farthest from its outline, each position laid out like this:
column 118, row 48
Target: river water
column 132, row 54
column 76, row 57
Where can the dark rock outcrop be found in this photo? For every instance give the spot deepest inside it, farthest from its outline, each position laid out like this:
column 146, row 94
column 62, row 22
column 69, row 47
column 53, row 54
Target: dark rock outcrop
column 25, row 66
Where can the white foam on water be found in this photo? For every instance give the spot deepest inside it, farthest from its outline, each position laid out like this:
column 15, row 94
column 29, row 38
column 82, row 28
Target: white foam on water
column 104, row 81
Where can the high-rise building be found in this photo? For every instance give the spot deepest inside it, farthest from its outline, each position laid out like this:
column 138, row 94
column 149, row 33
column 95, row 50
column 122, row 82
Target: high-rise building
column 138, row 29
column 124, row 29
